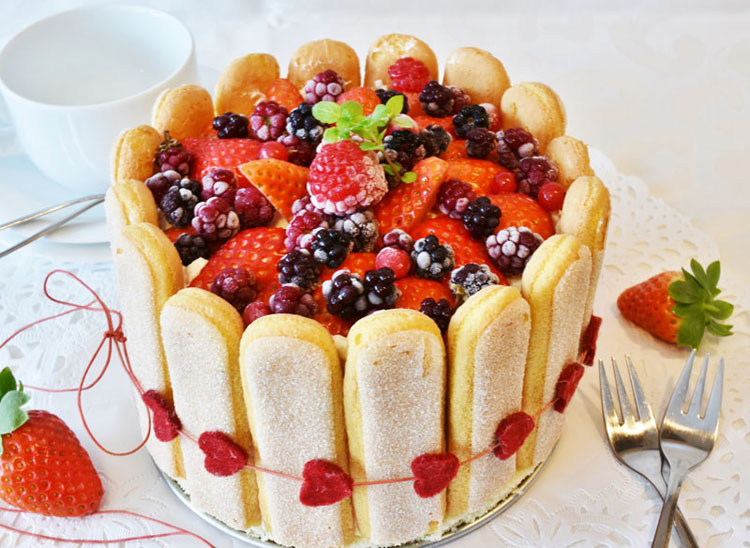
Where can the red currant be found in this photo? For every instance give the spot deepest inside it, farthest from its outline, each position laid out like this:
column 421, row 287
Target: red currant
column 274, row 149
column 551, row 196
column 255, row 310
column 504, row 181
column 396, row 259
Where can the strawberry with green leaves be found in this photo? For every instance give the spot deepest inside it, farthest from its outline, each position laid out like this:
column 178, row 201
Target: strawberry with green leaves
column 678, row 307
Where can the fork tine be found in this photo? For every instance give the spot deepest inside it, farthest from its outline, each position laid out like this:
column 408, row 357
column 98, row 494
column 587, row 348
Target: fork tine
column 611, row 420
column 700, row 385
column 680, row 389
column 714, row 400
column 644, row 409
column 626, row 409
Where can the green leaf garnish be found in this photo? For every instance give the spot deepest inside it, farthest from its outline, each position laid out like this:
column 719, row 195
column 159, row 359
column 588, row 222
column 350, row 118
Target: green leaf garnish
column 395, row 105
column 327, row 112
column 12, row 397
column 408, row 177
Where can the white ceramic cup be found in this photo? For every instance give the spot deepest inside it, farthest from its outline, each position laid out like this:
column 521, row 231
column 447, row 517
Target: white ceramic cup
column 73, row 81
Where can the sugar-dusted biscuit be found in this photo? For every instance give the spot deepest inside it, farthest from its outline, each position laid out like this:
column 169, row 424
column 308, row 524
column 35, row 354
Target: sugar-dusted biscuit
column 244, row 83
column 535, row 107
column 394, row 390
column 488, row 339
column 320, row 55
column 133, row 153
column 555, row 282
column 571, row 157
column 128, row 202
column 478, row 73
column 388, row 49
column 291, row 378
column 184, row 111
column 201, row 334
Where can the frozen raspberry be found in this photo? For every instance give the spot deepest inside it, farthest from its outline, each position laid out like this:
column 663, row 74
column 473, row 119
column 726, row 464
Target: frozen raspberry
column 274, row 150
column 409, row 75
column 268, row 121
column 300, row 228
column 513, row 144
column 399, row 239
column 396, row 259
column 159, row 183
column 343, row 178
column 171, row 156
column 291, row 299
column 431, row 259
column 216, row 220
column 219, row 182
column 304, row 203
column 385, row 94
column 361, row 228
column 252, row 207
column 511, row 248
column 345, row 295
column 533, row 172
column 330, row 247
column 325, row 86
column 436, row 100
column 255, row 310
column 237, row 286
column 552, row 196
column 298, row 267
column 480, row 142
column 180, row 201
column 441, row 312
column 299, row 152
column 435, row 139
column 191, row 247
column 470, row 117
column 380, row 290
column 405, row 148
column 454, row 196
column 302, row 124
column 231, row 126
column 461, row 99
column 481, row 218
column 471, row 278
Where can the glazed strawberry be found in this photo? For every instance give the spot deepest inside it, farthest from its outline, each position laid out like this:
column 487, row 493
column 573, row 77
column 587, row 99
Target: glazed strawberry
column 455, row 150
column 415, row 290
column 423, row 121
column 286, row 94
column 43, row 468
column 415, row 106
column 521, row 210
column 279, row 181
column 364, row 96
column 334, row 324
column 409, row 74
column 678, row 307
column 356, row 263
column 228, row 153
column 478, row 173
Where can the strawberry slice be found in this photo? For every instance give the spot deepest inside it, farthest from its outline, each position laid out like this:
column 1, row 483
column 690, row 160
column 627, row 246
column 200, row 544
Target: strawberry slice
column 284, row 93
column 228, row 153
column 423, row 121
column 478, row 173
column 334, row 324
column 522, row 210
column 279, row 181
column 364, row 96
column 414, row 290
column 415, row 106
column 406, row 205
column 356, row 263
column 174, row 232
column 455, row 151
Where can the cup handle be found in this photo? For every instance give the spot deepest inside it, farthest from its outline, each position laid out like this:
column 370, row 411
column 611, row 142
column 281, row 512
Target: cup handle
column 9, row 144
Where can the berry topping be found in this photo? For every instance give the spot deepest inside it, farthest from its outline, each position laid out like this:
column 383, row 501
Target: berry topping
column 435, row 139
column 522, row 210
column 255, row 310
column 513, row 144
column 279, row 181
column 275, row 150
column 285, row 93
column 511, row 248
column 480, row 142
column 237, row 286
column 405, row 148
column 231, row 126
column 172, row 156
column 299, row 268
column 252, row 207
column 191, row 247
column 268, row 121
column 345, row 295
column 223, row 456
column 440, row 311
column 302, row 124
column 364, row 96
column 437, row 100
column 454, row 197
column 299, row 152
column 551, row 196
column 385, row 94
column 325, row 86
column 396, row 259
column 431, row 259
column 471, row 278
column 179, row 202
column 461, row 99
column 504, row 181
column 409, row 75
column 469, row 118
column 291, row 299
column 481, row 218
column 510, row 434
column 216, row 220
column 361, row 228
column 478, row 173
column 433, row 472
column 159, row 183
column 220, row 182
column 415, row 290
column 211, row 153
column 533, row 172
column 300, row 228
column 330, row 247
column 379, row 288
column 324, row 483
column 399, row 239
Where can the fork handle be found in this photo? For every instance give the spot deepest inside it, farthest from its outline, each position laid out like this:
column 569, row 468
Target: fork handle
column 664, row 528
column 684, row 532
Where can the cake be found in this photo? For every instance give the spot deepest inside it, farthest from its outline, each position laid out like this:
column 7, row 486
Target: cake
column 357, row 313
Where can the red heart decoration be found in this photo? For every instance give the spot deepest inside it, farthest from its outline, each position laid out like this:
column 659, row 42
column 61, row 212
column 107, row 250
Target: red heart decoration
column 588, row 341
column 566, row 385
column 166, row 423
column 324, row 483
column 223, row 456
column 433, row 472
column 511, row 432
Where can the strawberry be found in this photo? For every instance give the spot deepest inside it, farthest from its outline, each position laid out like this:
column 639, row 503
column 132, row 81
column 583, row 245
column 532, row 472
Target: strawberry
column 678, row 307
column 228, row 153
column 478, row 173
column 357, row 263
column 423, row 121
column 456, row 150
column 43, row 467
column 364, row 96
column 175, row 232
column 521, row 210
column 406, row 205
column 279, row 181
column 415, row 290
column 415, row 106
column 334, row 324
column 284, row 93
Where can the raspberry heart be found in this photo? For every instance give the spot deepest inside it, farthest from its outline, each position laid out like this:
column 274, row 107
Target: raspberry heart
column 166, row 423
column 511, row 433
column 324, row 483
column 223, row 456
column 433, row 472
column 566, row 385
column 588, row 341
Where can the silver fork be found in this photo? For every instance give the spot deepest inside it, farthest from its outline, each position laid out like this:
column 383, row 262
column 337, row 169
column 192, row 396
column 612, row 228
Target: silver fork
column 687, row 438
column 635, row 440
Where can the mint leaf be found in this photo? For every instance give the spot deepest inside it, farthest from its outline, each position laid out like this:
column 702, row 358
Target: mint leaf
column 331, row 135
column 404, row 121
column 388, row 169
column 408, row 177
column 11, row 414
column 352, row 110
column 7, row 381
column 395, row 105
column 327, row 112
column 368, row 145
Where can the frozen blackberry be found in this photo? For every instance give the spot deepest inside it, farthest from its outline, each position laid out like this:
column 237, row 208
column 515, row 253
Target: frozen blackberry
column 441, row 312
column 454, row 196
column 220, row 182
column 180, row 200
column 511, row 248
column 436, row 100
column 302, row 124
column 380, row 289
column 399, row 239
column 361, row 228
column 191, row 247
column 231, row 126
column 237, row 286
column 480, row 142
column 481, row 218
column 330, row 247
column 513, row 144
column 299, row 268
column 252, row 207
column 461, row 99
column 159, row 183
column 471, row 278
column 268, row 121
column 291, row 299
column 215, row 220
column 405, row 148
column 435, row 139
column 431, row 259
column 470, row 117
column 533, row 172
column 300, row 152
column 345, row 295
column 385, row 94
column 172, row 156
column 325, row 86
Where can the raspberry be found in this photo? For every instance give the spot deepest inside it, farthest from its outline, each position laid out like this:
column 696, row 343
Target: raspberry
column 159, row 183
column 408, row 74
column 494, row 113
column 255, row 310
column 471, row 278
column 268, row 121
column 385, row 94
column 252, row 207
column 299, row 152
column 511, row 248
column 275, row 150
column 533, row 172
column 237, row 286
column 299, row 268
column 436, row 100
column 399, row 239
column 361, row 228
column 551, row 196
column 220, row 182
column 304, row 203
column 302, row 124
column 325, row 86
column 480, row 142
column 379, row 288
column 470, row 117
column 513, row 144
column 435, row 139
column 441, row 312
column 431, row 259
column 300, row 228
column 396, row 259
column 461, row 99
column 330, row 247
column 215, row 220
column 405, row 148
column 171, row 156
column 291, row 299
column 454, row 196
column 231, row 126
column 191, row 247
column 344, row 294
column 343, row 178
column 481, row 218
column 180, row 201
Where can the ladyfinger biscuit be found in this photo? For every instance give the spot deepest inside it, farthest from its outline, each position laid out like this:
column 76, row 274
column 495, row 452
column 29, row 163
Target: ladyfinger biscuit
column 571, row 157
column 478, row 73
column 555, row 282
column 319, row 55
column 488, row 339
column 133, row 154
column 185, row 111
column 394, row 389
column 388, row 49
column 126, row 203
column 535, row 107
column 291, row 377
column 148, row 271
column 244, row 83
column 201, row 334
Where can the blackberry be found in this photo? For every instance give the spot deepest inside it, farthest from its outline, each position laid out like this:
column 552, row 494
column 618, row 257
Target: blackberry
column 481, row 218
column 268, row 120
column 299, row 268
column 511, row 248
column 345, row 295
column 325, row 86
column 179, row 202
column 191, row 247
column 461, row 99
column 385, row 94
column 436, row 100
column 252, row 207
column 291, row 299
column 405, row 148
column 480, row 142
column 431, row 259
column 380, row 289
column 220, row 182
column 237, row 286
column 513, row 144
column 454, row 196
column 300, row 152
column 302, row 124
column 471, row 278
column 361, row 228
column 231, row 126
column 330, row 247
column 470, row 117
column 159, row 183
column 435, row 139
column 215, row 220
column 399, row 239
column 172, row 156
column 441, row 312
column 533, row 172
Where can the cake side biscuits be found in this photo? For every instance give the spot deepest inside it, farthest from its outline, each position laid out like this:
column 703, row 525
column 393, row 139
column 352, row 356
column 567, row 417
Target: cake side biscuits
column 317, row 56
column 244, row 83
column 388, row 49
column 478, row 73
column 133, row 154
column 184, row 111
column 537, row 108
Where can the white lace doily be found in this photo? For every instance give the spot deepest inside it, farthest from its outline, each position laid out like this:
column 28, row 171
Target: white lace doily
column 583, row 497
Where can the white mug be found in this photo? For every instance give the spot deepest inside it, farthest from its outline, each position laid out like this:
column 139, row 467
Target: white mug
column 73, row 81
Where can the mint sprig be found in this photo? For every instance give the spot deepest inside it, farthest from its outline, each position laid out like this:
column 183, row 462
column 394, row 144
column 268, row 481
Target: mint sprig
column 12, row 397
column 348, row 122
